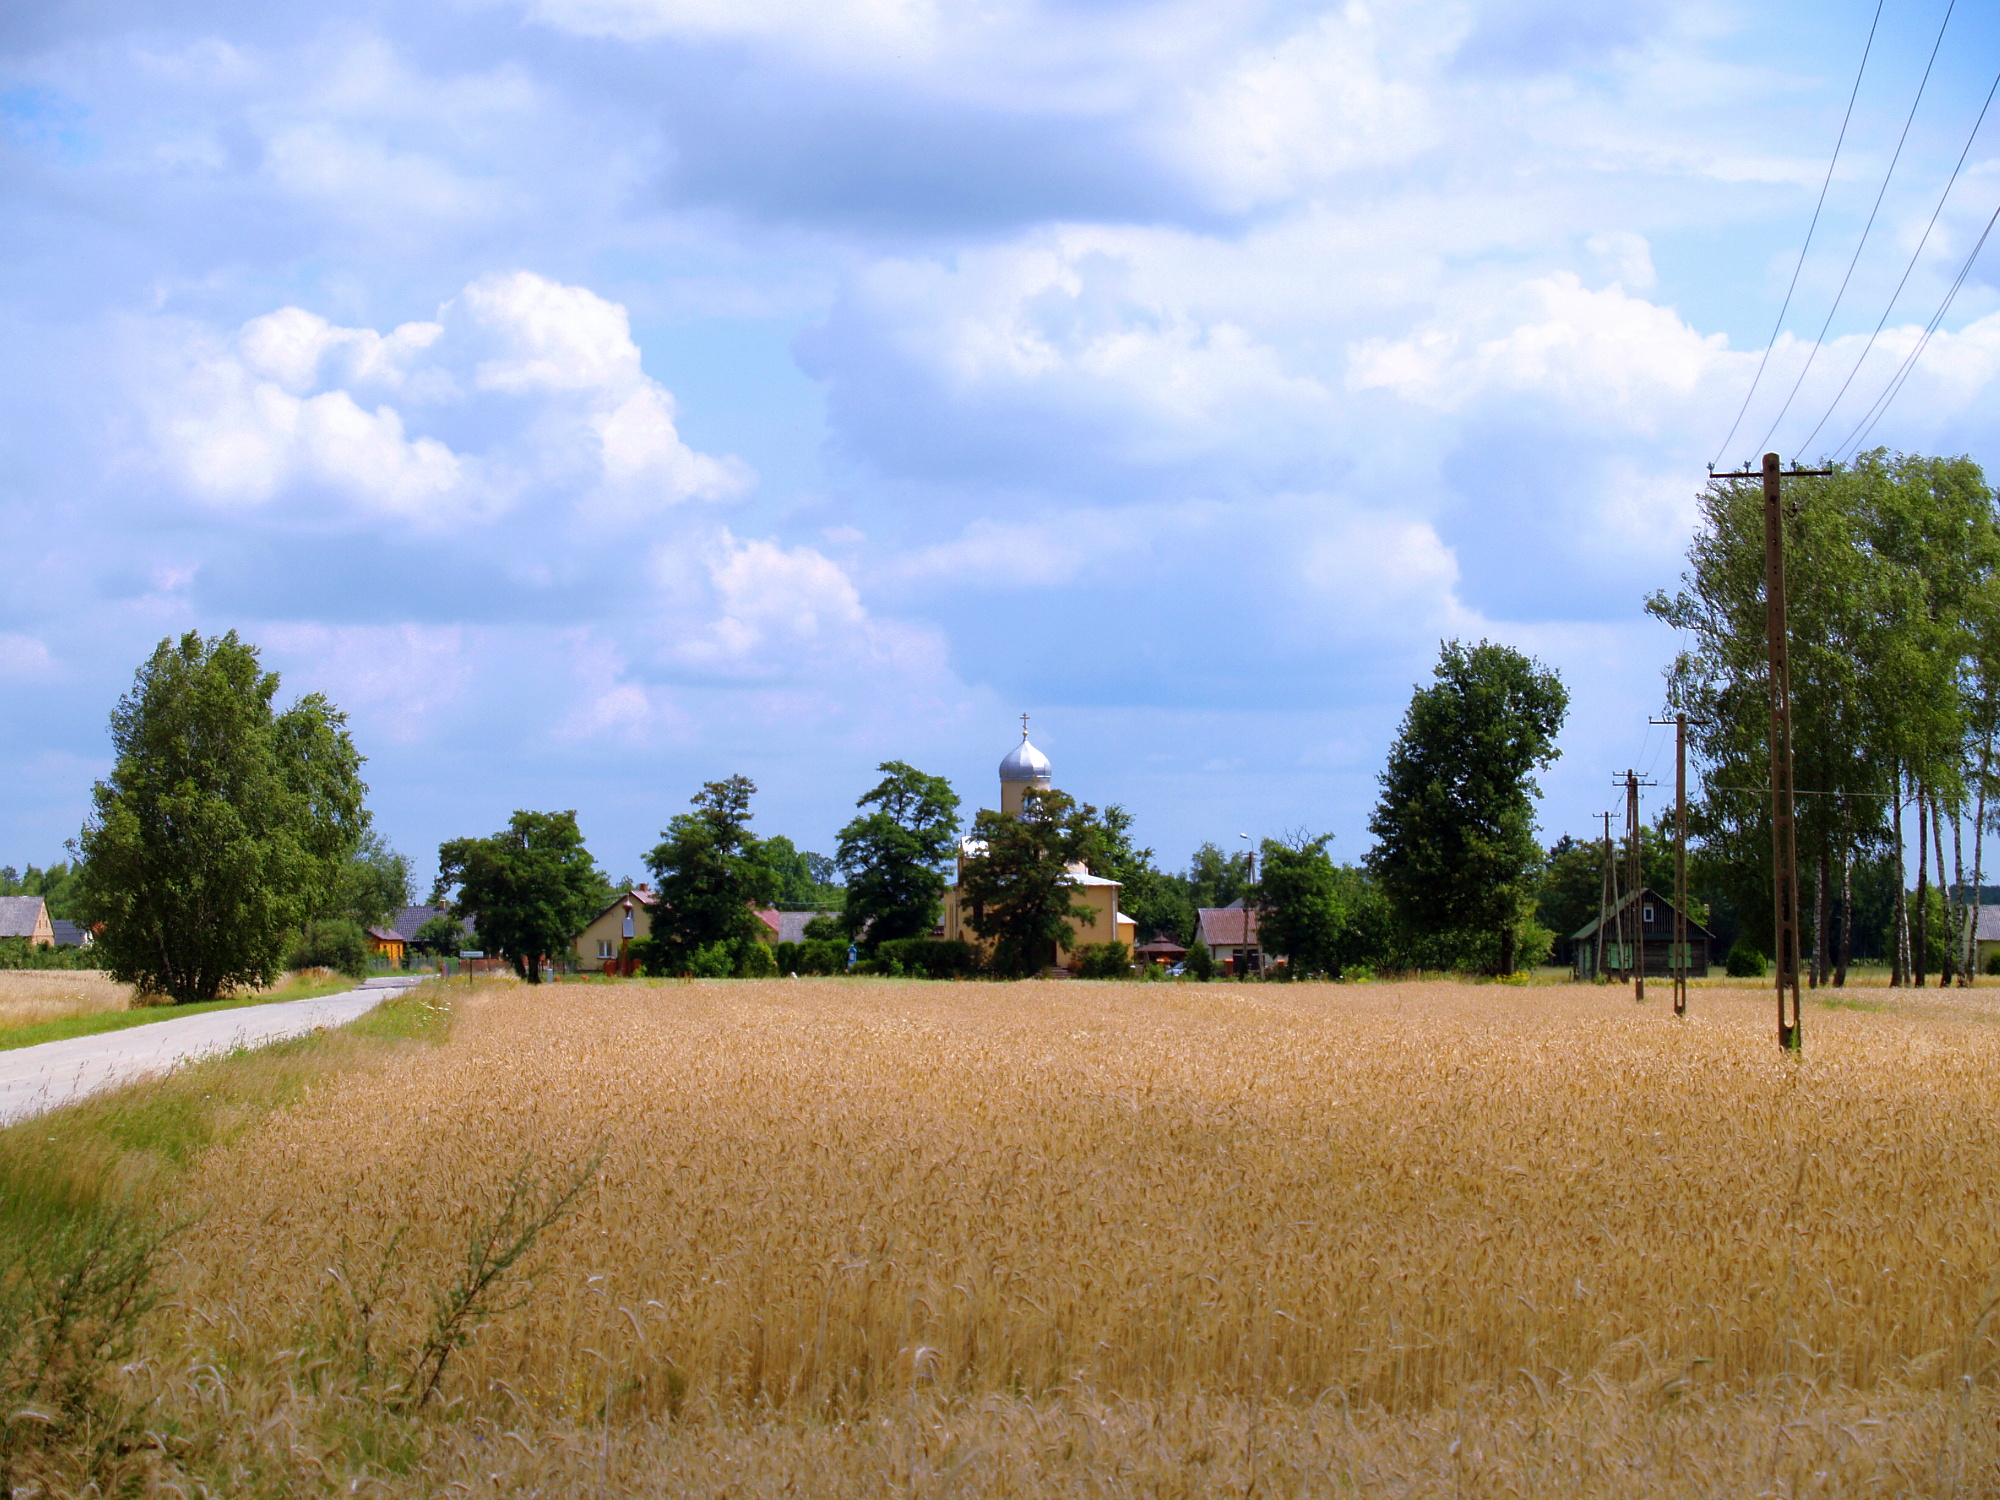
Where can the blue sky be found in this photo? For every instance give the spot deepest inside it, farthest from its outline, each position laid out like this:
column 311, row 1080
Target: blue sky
column 594, row 397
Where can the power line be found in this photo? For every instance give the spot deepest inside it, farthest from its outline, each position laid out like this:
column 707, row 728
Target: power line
column 1866, row 229
column 1882, row 402
column 1914, row 255
column 1785, row 306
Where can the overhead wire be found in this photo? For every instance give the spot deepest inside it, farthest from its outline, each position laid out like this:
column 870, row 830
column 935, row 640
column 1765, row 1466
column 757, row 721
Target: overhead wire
column 1907, row 269
column 1869, row 418
column 1868, row 228
column 1785, row 306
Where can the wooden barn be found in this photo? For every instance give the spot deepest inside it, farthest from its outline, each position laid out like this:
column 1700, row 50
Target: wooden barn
column 1656, row 942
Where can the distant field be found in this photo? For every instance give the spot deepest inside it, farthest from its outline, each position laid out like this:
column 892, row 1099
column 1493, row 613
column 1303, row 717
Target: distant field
column 29, row 996
column 47, row 1005
column 855, row 1237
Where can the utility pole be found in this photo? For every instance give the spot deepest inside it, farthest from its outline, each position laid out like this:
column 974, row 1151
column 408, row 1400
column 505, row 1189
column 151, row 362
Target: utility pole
column 1635, row 886
column 1607, row 898
column 1784, row 828
column 1679, row 959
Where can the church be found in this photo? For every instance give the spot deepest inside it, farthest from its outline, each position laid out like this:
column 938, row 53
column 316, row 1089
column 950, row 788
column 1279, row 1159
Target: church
column 1025, row 769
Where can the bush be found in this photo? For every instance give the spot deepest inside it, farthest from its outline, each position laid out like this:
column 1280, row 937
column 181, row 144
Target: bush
column 826, row 929
column 19, row 953
column 335, row 943
column 1104, row 961
column 1744, row 962
column 711, row 961
column 1200, row 963
column 754, row 960
column 1993, row 963
column 929, row 958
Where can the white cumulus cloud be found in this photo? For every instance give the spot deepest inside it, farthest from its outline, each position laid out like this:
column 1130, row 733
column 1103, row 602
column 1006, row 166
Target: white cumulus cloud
column 288, row 406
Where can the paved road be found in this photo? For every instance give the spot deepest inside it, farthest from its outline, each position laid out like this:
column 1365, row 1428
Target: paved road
column 36, row 1079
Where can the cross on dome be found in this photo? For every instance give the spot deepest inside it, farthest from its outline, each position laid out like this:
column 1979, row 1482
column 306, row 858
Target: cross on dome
column 1024, row 762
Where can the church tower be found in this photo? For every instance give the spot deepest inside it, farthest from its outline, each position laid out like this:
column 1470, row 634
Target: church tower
column 1024, row 767
column 1027, row 767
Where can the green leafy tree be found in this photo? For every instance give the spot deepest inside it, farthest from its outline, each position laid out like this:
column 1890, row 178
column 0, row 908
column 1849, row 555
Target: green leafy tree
column 710, row 882
column 1156, row 902
column 1019, row 888
column 442, row 936
column 896, row 855
column 1455, row 829
column 56, row 886
column 804, row 879
column 1301, row 914
column 1891, row 565
column 528, row 889
column 1215, row 878
column 222, row 826
column 330, row 943
column 374, row 883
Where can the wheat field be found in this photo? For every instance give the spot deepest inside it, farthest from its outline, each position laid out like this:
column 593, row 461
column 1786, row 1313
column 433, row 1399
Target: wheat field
column 31, row 995
column 1116, row 1239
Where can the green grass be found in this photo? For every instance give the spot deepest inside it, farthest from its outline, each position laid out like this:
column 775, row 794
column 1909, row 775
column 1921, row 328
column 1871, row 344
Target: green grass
column 1829, row 1003
column 130, row 1144
column 117, row 1020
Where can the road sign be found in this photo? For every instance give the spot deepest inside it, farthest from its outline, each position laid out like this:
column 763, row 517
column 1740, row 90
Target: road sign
column 472, row 953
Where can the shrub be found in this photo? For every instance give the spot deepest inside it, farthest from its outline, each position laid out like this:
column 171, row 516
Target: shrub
column 335, row 943
column 19, row 953
column 930, row 958
column 1200, row 963
column 828, row 956
column 754, row 960
column 1993, row 963
column 826, row 929
column 823, row 957
column 711, row 961
column 1104, row 961
column 1744, row 962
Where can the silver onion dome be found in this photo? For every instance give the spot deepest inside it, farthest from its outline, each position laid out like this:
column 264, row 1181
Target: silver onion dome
column 1025, row 763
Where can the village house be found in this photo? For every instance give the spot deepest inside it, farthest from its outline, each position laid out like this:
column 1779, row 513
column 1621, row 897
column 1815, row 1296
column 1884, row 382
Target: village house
column 1984, row 920
column 1023, row 769
column 27, row 917
column 1655, row 941
column 602, row 947
column 1230, row 935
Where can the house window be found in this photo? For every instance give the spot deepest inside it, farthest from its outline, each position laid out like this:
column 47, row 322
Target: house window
column 1649, row 916
column 604, row 948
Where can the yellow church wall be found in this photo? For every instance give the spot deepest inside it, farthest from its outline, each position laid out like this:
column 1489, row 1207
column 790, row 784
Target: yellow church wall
column 1101, row 899
column 1012, row 794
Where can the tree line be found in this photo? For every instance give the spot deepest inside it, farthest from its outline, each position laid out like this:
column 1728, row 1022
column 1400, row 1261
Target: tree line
column 1893, row 576
column 232, row 836
column 232, row 840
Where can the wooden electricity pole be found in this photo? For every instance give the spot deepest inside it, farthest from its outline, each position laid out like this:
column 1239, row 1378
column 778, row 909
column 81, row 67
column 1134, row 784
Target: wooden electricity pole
column 1784, row 828
column 1679, row 958
column 1635, row 886
column 1680, row 864
column 1607, row 900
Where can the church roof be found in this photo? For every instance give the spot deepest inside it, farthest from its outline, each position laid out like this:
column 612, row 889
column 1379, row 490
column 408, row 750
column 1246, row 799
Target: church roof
column 1025, row 763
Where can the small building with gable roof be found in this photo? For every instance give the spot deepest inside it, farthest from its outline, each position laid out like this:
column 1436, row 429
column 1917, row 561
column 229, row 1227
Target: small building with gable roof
column 1654, row 946
column 27, row 917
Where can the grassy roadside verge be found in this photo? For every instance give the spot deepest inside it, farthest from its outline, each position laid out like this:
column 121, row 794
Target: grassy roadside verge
column 129, row 1143
column 85, row 1219
column 65, row 1027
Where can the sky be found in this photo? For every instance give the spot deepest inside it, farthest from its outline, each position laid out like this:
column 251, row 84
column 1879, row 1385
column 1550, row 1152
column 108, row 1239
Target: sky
column 598, row 397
